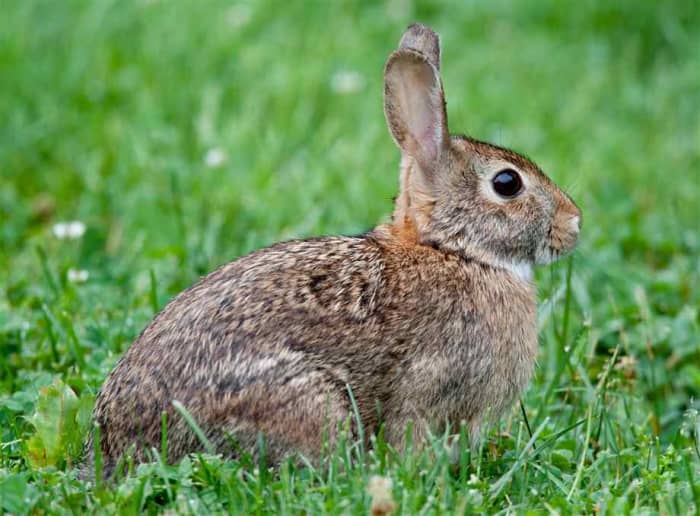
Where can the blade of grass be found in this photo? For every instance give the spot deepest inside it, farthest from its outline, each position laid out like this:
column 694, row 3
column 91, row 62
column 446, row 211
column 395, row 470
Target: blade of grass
column 358, row 422
column 206, row 443
column 73, row 342
column 97, row 454
column 496, row 488
column 589, row 422
column 164, row 437
column 49, row 276
column 53, row 341
column 155, row 305
column 527, row 423
column 567, row 303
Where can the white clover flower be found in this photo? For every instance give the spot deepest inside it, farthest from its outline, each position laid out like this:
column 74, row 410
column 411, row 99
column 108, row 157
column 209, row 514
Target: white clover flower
column 69, row 230
column 691, row 424
column 238, row 15
column 475, row 496
column 78, row 275
column 347, row 81
column 379, row 488
column 215, row 157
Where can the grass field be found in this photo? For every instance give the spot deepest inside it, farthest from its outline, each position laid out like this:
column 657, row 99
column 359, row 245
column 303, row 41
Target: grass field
column 179, row 135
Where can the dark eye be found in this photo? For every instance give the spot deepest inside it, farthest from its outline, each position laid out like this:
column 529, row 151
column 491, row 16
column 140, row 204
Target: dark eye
column 507, row 183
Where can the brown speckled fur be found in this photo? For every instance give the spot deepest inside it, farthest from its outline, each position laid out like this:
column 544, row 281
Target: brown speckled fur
column 426, row 319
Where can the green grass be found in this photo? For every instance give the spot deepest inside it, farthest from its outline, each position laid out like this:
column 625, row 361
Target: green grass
column 108, row 110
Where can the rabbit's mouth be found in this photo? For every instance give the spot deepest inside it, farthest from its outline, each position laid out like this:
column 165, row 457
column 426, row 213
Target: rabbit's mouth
column 561, row 238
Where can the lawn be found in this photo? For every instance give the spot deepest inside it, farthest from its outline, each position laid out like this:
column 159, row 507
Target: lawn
column 144, row 143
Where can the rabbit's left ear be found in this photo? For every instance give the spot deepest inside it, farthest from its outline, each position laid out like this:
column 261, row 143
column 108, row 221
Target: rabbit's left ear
column 414, row 104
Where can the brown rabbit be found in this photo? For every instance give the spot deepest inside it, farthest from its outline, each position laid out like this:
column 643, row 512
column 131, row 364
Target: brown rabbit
column 430, row 318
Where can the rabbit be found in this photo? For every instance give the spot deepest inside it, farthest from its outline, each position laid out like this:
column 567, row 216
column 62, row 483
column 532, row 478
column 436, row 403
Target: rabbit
column 428, row 319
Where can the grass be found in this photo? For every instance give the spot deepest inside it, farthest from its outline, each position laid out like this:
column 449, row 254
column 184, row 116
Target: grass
column 184, row 134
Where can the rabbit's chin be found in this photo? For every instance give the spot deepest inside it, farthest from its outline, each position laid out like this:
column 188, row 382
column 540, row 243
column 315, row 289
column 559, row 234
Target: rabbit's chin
column 549, row 254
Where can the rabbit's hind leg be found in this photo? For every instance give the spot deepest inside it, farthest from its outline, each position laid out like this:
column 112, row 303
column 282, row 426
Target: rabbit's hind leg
column 300, row 416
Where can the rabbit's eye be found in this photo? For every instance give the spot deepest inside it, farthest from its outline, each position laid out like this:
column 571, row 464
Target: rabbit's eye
column 507, row 183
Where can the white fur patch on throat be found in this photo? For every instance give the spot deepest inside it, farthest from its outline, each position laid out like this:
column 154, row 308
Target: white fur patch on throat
column 521, row 270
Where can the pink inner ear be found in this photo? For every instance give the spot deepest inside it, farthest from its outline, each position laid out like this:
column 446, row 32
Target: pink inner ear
column 427, row 140
column 423, row 111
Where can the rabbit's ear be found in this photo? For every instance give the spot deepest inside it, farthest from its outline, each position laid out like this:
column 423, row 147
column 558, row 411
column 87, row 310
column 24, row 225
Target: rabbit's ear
column 414, row 103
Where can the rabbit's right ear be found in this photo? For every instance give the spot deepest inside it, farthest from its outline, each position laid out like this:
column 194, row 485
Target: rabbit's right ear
column 414, row 103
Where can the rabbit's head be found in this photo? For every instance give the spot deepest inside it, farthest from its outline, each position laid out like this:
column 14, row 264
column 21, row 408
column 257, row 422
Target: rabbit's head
column 460, row 194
